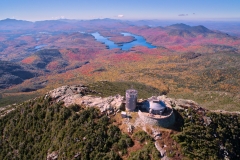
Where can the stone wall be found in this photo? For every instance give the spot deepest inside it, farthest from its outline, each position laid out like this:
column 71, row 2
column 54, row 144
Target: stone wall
column 163, row 122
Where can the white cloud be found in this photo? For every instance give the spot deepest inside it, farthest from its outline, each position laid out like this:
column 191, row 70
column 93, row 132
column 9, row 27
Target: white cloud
column 183, row 15
column 120, row 16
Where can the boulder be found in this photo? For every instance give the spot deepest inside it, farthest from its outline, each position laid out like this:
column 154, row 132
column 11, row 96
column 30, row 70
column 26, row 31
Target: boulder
column 160, row 149
column 52, row 156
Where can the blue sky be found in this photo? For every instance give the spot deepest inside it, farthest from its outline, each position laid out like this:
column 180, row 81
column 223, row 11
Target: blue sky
column 34, row 10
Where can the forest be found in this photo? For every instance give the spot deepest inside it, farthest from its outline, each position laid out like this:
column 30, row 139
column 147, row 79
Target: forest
column 209, row 136
column 40, row 127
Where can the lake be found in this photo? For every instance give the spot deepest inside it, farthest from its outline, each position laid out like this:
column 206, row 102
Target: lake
column 40, row 46
column 139, row 41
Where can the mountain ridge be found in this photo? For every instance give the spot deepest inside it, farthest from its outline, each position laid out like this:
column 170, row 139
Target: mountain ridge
column 13, row 73
column 54, row 130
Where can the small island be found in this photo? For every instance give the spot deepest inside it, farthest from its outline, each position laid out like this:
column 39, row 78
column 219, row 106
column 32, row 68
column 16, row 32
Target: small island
column 119, row 40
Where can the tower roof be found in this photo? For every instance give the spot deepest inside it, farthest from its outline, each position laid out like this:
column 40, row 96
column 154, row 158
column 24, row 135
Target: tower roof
column 131, row 91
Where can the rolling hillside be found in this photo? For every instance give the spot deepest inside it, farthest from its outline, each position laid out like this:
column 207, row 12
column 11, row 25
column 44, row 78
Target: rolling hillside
column 189, row 61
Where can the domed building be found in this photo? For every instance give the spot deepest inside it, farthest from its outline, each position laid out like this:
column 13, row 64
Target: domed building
column 154, row 111
column 157, row 107
column 154, row 106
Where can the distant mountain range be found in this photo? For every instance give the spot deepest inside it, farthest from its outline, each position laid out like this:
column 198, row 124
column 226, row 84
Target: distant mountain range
column 61, row 24
column 230, row 27
column 11, row 24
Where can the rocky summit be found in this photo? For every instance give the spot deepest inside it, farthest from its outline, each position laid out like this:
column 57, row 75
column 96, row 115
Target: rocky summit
column 81, row 95
column 78, row 94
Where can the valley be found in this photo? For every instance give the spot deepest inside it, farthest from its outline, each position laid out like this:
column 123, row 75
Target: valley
column 190, row 62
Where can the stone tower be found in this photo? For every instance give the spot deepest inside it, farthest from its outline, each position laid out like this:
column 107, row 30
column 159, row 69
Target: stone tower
column 131, row 99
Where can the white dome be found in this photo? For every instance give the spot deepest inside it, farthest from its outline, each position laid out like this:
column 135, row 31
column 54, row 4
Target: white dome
column 157, row 105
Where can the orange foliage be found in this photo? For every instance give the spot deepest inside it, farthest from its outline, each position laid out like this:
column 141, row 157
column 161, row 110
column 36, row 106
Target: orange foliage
column 86, row 69
column 29, row 60
column 53, row 65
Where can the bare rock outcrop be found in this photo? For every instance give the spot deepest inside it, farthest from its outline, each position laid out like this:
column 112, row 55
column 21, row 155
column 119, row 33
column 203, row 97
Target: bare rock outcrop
column 104, row 104
column 78, row 94
column 179, row 103
column 64, row 91
column 68, row 94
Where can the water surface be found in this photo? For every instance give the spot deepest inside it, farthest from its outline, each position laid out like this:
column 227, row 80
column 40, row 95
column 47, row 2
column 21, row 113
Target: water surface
column 139, row 41
column 106, row 41
column 40, row 46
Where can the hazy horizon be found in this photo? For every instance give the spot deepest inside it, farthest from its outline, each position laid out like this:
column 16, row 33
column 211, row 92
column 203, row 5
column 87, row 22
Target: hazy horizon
column 184, row 10
column 230, row 20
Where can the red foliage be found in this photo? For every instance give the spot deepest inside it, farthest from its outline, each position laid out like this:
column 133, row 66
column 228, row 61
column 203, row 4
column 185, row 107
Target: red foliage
column 161, row 37
column 177, row 48
column 80, row 54
column 121, row 39
column 128, row 57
